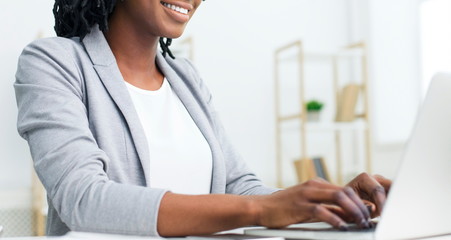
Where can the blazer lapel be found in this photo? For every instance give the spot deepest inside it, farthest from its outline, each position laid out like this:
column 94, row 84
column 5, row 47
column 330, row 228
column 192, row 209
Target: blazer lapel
column 194, row 108
column 110, row 75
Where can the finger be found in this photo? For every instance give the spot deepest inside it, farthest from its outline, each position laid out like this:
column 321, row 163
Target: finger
column 371, row 208
column 374, row 190
column 386, row 183
column 323, row 214
column 350, row 207
column 356, row 199
column 324, row 192
column 322, row 184
column 379, row 197
column 340, row 198
column 321, row 180
column 339, row 212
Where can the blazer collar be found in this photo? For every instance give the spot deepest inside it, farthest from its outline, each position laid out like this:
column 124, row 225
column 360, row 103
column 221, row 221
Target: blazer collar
column 199, row 112
column 98, row 49
column 109, row 73
column 106, row 67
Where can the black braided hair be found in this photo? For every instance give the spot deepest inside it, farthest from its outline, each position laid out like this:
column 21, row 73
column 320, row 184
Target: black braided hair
column 75, row 18
column 165, row 47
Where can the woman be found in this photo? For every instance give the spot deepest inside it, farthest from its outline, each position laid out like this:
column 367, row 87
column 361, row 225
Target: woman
column 125, row 138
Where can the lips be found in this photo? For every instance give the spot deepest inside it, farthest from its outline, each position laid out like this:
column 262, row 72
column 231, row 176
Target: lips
column 176, row 8
column 179, row 11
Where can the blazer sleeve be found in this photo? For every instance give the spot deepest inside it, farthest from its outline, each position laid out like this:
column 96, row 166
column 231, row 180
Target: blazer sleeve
column 239, row 178
column 68, row 161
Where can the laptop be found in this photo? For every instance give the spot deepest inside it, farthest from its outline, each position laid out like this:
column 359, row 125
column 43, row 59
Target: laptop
column 419, row 203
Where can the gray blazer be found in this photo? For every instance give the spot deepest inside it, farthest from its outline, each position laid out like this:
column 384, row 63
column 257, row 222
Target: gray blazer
column 87, row 143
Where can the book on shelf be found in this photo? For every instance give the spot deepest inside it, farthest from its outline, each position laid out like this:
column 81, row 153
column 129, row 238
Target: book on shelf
column 305, row 170
column 347, row 102
column 309, row 168
column 321, row 168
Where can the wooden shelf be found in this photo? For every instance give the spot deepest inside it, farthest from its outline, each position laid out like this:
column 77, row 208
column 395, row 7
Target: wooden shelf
column 295, row 53
column 336, row 126
column 354, row 53
column 326, row 125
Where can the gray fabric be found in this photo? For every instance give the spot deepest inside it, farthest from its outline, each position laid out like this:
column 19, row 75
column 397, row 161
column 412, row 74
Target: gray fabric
column 87, row 143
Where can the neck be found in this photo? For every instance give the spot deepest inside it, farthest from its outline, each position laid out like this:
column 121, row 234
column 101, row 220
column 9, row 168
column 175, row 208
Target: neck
column 135, row 53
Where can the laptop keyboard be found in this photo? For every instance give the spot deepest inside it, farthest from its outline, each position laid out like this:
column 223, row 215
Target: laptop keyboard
column 351, row 228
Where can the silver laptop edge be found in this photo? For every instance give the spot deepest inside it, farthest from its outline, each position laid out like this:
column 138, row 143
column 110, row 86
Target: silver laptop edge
column 419, row 202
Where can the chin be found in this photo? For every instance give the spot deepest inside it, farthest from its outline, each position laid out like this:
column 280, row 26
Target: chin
column 173, row 33
column 173, row 36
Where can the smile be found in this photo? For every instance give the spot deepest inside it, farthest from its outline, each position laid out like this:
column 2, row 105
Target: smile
column 175, row 8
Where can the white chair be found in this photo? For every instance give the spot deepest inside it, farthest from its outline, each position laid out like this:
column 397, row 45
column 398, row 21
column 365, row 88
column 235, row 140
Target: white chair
column 1, row 230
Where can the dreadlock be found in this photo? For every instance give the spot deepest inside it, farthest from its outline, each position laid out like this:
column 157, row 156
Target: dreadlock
column 75, row 18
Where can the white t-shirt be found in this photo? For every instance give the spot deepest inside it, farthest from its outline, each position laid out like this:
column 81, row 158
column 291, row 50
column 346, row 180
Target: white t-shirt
column 180, row 157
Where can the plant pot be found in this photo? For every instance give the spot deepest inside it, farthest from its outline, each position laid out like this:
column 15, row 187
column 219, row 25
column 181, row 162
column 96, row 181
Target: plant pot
column 313, row 116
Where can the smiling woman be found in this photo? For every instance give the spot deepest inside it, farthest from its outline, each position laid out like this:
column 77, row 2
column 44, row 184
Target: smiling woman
column 126, row 140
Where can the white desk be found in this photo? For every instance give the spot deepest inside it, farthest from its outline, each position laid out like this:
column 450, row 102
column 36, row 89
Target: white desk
column 322, row 231
column 85, row 236
column 96, row 236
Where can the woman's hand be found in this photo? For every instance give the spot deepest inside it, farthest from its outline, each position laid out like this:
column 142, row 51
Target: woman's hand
column 315, row 200
column 372, row 189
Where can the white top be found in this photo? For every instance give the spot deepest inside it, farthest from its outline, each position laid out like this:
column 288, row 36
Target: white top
column 180, row 157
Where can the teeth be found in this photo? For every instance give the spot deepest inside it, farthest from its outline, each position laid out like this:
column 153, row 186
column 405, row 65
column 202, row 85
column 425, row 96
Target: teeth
column 175, row 8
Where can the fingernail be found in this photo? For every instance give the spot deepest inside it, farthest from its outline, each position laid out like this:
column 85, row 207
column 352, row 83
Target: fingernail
column 364, row 223
column 343, row 227
column 369, row 208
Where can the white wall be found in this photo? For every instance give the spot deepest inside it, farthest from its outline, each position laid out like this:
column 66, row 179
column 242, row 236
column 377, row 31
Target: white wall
column 21, row 21
column 396, row 76
column 435, row 39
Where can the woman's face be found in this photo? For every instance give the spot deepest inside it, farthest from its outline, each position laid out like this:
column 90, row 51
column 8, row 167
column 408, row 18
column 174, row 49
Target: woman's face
column 166, row 18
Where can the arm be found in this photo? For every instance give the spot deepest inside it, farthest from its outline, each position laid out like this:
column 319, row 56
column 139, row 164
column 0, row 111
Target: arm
column 70, row 164
column 311, row 201
column 181, row 215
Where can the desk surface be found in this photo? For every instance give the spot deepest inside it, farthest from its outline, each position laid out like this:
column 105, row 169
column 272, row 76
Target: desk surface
column 96, row 236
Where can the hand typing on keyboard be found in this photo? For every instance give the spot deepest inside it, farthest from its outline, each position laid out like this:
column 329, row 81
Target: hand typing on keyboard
column 318, row 200
column 372, row 190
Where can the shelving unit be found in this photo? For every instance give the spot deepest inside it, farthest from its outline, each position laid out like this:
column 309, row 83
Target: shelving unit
column 39, row 206
column 354, row 51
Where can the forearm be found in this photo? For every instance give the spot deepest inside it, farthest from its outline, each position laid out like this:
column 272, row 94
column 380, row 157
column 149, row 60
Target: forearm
column 181, row 215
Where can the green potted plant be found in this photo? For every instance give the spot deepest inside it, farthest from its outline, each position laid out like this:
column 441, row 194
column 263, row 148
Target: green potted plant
column 313, row 110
